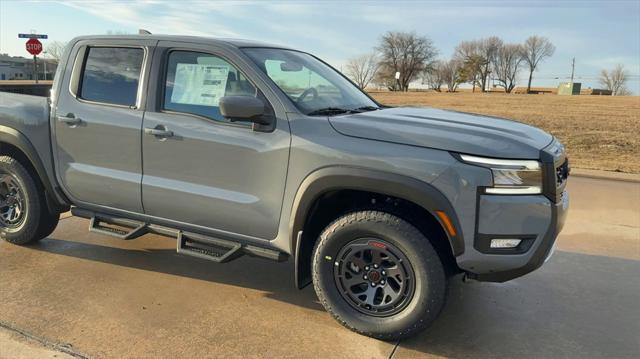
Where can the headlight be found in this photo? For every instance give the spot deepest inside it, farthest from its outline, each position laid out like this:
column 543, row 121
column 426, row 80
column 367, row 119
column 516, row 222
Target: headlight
column 511, row 176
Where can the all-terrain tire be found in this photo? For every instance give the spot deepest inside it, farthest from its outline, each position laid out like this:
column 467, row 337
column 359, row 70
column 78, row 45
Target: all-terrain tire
column 429, row 284
column 36, row 222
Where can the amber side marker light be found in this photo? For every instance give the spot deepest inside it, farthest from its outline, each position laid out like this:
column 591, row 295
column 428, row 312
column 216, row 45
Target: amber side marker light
column 447, row 223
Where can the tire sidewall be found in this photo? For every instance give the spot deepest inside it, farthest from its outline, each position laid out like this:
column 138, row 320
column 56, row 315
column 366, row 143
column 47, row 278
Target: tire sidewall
column 30, row 223
column 427, row 299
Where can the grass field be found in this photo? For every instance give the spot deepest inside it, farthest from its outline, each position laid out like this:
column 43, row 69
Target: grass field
column 600, row 132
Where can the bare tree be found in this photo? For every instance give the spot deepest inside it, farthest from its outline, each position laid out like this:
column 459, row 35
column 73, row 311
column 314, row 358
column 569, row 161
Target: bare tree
column 615, row 80
column 477, row 55
column 468, row 54
column 536, row 49
column 406, row 53
column 452, row 74
column 489, row 48
column 55, row 50
column 506, row 65
column 363, row 69
column 447, row 73
column 434, row 78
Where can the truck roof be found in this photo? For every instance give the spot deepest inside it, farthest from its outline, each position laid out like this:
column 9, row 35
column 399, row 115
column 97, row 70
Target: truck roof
column 182, row 38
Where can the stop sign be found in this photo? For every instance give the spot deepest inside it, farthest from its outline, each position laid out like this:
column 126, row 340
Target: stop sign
column 34, row 46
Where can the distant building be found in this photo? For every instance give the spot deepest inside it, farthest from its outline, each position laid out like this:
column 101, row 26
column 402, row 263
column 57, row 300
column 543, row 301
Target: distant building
column 569, row 88
column 21, row 68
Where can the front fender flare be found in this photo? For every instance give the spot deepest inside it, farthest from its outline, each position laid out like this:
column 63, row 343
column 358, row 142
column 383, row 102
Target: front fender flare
column 334, row 178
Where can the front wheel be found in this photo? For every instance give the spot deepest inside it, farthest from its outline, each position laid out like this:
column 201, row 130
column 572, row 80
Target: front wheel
column 24, row 217
column 378, row 275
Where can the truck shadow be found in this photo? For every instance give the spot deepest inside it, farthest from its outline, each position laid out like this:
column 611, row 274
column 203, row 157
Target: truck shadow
column 274, row 278
column 576, row 305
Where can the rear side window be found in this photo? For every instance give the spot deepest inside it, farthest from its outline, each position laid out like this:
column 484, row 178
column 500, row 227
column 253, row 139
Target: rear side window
column 111, row 75
column 195, row 82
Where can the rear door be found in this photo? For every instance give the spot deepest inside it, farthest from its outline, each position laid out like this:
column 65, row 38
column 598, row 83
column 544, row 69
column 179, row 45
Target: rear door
column 207, row 171
column 98, row 123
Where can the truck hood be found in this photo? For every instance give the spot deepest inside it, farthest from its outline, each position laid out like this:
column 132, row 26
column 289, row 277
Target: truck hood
column 446, row 130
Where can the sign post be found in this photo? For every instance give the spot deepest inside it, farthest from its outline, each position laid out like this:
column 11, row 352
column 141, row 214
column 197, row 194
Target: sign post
column 34, row 47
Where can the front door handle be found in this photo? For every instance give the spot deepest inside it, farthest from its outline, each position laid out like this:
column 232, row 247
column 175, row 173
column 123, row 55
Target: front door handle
column 159, row 131
column 69, row 120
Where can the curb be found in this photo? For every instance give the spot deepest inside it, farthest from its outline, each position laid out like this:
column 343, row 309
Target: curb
column 64, row 348
column 606, row 175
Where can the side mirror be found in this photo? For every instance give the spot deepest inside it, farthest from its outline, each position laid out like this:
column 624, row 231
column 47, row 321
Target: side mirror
column 245, row 108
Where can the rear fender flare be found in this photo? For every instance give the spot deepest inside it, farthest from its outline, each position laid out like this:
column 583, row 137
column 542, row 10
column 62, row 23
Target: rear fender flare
column 17, row 139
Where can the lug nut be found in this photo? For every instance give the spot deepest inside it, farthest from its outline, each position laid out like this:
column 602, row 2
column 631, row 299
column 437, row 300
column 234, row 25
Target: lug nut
column 384, row 273
column 365, row 277
column 373, row 284
column 375, row 266
column 366, row 268
column 382, row 281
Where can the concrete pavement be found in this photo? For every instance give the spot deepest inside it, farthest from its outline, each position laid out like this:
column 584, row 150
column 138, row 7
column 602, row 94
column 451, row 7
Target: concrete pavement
column 111, row 298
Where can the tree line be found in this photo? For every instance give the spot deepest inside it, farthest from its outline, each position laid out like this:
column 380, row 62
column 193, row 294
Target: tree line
column 411, row 57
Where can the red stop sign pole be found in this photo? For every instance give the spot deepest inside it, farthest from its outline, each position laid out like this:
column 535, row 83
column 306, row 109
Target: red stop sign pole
column 34, row 47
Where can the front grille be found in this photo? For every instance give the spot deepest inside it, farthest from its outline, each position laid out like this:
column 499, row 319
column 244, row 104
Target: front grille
column 562, row 173
column 556, row 170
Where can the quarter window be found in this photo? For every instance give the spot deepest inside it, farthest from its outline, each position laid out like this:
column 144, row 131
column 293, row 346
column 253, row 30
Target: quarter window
column 111, row 75
column 195, row 82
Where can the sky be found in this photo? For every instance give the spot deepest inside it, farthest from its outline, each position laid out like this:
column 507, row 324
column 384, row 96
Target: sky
column 599, row 34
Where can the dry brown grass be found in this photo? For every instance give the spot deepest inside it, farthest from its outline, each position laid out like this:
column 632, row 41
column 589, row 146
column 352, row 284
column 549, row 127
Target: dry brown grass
column 600, row 132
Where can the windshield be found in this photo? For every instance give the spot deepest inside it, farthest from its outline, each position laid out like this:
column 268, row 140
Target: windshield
column 314, row 87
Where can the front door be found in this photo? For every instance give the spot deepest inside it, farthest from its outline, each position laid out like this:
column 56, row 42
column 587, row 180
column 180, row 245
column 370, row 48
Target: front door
column 98, row 123
column 200, row 168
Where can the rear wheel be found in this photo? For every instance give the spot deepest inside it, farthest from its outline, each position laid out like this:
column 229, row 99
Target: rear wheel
column 24, row 216
column 378, row 275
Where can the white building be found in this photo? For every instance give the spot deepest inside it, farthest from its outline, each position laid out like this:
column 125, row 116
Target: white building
column 21, row 68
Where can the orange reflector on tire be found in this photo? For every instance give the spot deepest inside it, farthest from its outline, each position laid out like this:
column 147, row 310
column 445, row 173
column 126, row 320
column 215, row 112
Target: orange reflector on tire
column 447, row 223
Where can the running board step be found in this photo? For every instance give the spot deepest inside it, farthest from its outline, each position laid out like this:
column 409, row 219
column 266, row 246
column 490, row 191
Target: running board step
column 126, row 230
column 197, row 245
column 209, row 248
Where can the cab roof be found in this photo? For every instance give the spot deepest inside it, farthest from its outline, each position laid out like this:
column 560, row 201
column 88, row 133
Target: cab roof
column 238, row 43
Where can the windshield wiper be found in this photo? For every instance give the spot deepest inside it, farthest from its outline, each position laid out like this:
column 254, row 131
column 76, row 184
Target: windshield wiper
column 332, row 111
column 328, row 111
column 366, row 108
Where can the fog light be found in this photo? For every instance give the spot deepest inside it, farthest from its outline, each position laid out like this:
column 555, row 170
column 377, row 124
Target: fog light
column 505, row 243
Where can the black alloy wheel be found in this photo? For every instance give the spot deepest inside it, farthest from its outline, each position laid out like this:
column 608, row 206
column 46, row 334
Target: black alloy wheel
column 13, row 209
column 374, row 276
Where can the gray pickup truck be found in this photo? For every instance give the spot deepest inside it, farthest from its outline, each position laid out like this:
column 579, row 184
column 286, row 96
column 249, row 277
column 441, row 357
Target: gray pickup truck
column 236, row 147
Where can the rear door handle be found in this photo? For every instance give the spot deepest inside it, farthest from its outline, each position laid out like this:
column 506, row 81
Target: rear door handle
column 160, row 132
column 71, row 121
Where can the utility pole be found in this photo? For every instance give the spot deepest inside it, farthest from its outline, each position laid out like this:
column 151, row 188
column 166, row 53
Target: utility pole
column 573, row 66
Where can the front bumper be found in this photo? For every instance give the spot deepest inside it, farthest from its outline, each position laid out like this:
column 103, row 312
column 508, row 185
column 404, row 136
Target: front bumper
column 535, row 220
column 538, row 221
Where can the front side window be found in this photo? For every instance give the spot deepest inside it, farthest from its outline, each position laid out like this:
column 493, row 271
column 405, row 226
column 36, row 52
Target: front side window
column 111, row 75
column 196, row 81
column 314, row 87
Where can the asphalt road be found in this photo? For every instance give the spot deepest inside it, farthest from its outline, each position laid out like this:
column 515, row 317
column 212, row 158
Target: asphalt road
column 102, row 297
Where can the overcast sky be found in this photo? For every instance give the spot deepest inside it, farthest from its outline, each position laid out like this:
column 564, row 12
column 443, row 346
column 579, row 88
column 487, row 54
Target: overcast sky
column 599, row 34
